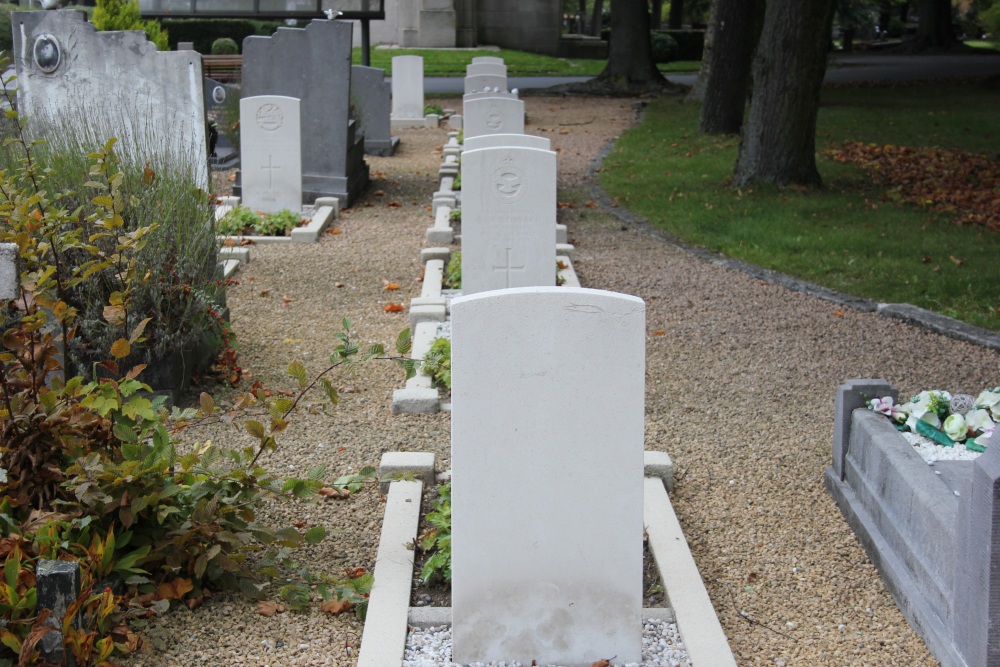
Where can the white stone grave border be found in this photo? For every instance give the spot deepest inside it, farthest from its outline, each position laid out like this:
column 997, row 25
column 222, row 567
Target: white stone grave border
column 324, row 212
column 403, row 476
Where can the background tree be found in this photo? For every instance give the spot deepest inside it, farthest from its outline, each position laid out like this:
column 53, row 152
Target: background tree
column 124, row 15
column 734, row 35
column 676, row 19
column 697, row 92
column 596, row 19
column 934, row 29
column 779, row 137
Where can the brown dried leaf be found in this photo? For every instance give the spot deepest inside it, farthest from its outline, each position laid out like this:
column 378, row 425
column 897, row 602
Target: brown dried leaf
column 335, row 607
column 268, row 608
column 393, row 307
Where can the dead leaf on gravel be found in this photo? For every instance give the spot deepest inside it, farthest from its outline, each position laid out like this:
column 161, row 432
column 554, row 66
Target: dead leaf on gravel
column 268, row 608
column 379, row 193
column 333, row 230
column 601, row 663
column 286, row 301
column 390, row 286
column 393, row 307
column 335, row 607
column 244, row 241
column 265, row 292
column 394, row 204
column 591, row 204
column 229, row 242
column 659, row 332
column 334, row 493
column 338, row 284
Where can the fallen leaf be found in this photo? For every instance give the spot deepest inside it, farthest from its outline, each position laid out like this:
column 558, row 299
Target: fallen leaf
column 333, row 230
column 244, row 241
column 601, row 663
column 265, row 292
column 335, row 607
column 565, row 204
column 957, row 261
column 334, row 493
column 268, row 608
column 285, row 392
column 393, row 307
column 293, row 340
column 659, row 332
column 232, row 176
column 838, row 313
column 591, row 204
column 299, row 524
column 378, row 193
column 286, row 301
column 355, row 572
column 390, row 286
column 174, row 589
column 338, row 284
column 394, row 204
column 229, row 242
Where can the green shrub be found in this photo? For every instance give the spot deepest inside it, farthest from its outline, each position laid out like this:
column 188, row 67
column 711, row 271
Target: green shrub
column 225, row 46
column 203, row 32
column 433, row 108
column 437, row 539
column 665, row 48
column 6, row 32
column 124, row 15
column 453, row 272
column 437, row 362
column 989, row 20
column 690, row 43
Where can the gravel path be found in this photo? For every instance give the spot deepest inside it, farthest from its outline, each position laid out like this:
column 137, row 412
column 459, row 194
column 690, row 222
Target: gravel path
column 740, row 384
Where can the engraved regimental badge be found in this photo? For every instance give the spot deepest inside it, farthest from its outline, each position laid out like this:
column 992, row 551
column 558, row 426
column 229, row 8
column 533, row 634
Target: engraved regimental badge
column 508, row 182
column 269, row 117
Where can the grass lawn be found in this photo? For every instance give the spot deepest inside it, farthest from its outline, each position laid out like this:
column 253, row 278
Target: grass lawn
column 452, row 62
column 852, row 235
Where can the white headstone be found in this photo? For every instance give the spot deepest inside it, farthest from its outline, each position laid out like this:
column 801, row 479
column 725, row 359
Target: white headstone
column 271, row 153
column 486, row 68
column 492, row 115
column 500, row 140
column 508, row 218
column 480, row 82
column 106, row 84
column 407, row 91
column 487, row 60
column 547, row 465
column 10, row 277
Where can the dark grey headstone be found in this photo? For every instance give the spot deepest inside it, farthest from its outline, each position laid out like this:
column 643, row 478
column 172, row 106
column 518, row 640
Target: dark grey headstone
column 222, row 105
column 313, row 64
column 372, row 100
column 58, row 585
column 852, row 395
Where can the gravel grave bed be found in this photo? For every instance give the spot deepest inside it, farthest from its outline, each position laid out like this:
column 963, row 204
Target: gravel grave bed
column 740, row 383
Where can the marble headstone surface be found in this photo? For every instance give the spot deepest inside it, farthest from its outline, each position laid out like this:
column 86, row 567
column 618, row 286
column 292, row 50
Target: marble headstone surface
column 271, row 153
column 104, row 84
column 500, row 140
column 372, row 100
column 492, row 115
column 313, row 64
column 486, row 68
column 545, row 566
column 479, row 83
column 408, row 91
column 508, row 218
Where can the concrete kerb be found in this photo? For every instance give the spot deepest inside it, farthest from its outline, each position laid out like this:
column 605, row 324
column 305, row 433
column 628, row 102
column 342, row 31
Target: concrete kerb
column 389, row 614
column 924, row 319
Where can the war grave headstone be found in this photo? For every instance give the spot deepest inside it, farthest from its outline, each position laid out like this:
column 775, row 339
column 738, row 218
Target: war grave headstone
column 473, row 69
column 271, row 153
column 492, row 115
column 313, row 64
column 508, row 218
column 543, row 568
column 500, row 140
column 408, row 91
column 110, row 84
column 221, row 104
column 487, row 60
column 372, row 99
column 486, row 83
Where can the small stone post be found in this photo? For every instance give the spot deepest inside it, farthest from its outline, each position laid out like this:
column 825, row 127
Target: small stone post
column 58, row 586
column 852, row 395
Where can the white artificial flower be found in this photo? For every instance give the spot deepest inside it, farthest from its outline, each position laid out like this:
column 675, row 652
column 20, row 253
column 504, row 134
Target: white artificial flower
column 882, row 405
column 979, row 420
column 955, row 427
column 988, row 399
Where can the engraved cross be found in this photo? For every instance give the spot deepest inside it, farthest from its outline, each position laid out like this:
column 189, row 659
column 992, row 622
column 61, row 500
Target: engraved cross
column 270, row 171
column 508, row 266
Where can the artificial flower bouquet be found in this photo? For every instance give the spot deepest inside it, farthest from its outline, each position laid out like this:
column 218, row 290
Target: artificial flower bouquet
column 944, row 418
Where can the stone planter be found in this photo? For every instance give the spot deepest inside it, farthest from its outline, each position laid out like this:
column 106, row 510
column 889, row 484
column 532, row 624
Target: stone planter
column 933, row 532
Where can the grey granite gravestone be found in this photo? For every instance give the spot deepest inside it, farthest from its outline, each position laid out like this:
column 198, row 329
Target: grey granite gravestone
column 110, row 84
column 372, row 99
column 313, row 64
column 10, row 277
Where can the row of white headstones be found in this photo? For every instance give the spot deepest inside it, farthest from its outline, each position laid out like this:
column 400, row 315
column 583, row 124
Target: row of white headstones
column 547, row 420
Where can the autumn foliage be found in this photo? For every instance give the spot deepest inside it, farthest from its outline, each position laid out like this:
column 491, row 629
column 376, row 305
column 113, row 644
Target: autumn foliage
column 965, row 186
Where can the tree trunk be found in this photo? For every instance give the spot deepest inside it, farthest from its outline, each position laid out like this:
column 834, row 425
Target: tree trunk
column 697, row 92
column 726, row 89
column 847, row 39
column 595, row 18
column 676, row 19
column 934, row 29
column 779, row 138
column 581, row 17
column 657, row 14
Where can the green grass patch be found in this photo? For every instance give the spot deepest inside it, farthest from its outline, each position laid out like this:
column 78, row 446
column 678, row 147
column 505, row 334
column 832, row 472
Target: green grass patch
column 452, row 62
column 847, row 236
column 983, row 44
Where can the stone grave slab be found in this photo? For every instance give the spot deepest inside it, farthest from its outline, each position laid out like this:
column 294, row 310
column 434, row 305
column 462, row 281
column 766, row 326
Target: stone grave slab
column 105, row 84
column 492, row 115
column 487, row 60
column 271, row 156
column 313, row 64
column 543, row 568
column 371, row 97
column 508, row 218
column 408, row 91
